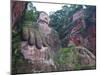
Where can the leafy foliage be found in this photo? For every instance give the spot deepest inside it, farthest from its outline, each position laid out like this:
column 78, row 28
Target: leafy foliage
column 31, row 13
column 66, row 58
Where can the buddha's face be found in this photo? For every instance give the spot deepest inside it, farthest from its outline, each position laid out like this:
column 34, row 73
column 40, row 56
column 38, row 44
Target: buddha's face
column 43, row 18
column 43, row 22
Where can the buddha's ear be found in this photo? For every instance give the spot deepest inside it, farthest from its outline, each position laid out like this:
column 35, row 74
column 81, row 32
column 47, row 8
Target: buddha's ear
column 48, row 20
column 38, row 13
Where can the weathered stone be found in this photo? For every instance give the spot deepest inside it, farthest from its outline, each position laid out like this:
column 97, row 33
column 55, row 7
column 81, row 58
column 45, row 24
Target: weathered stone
column 43, row 43
column 85, row 56
column 25, row 34
column 31, row 39
column 17, row 10
column 38, row 40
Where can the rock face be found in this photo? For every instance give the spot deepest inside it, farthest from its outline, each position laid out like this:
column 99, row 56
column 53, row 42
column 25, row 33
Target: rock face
column 86, row 58
column 84, row 42
column 84, row 31
column 39, row 44
column 75, row 58
column 17, row 9
column 90, row 40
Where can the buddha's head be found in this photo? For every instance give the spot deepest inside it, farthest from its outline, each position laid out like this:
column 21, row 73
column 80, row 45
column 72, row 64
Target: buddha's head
column 43, row 18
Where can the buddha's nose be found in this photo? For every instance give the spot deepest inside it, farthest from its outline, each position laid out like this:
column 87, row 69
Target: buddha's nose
column 46, row 18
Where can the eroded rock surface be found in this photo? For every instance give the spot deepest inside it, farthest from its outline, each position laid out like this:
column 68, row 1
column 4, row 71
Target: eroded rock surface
column 39, row 44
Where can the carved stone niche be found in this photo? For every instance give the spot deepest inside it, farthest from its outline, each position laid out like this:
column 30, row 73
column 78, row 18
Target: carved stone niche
column 42, row 59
